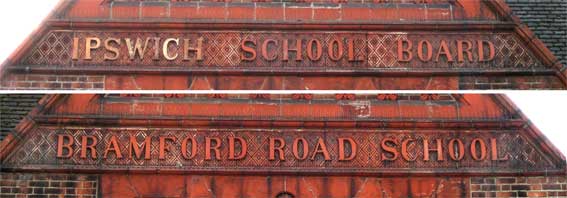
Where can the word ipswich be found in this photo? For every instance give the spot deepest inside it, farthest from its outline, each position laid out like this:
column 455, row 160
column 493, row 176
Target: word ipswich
column 340, row 48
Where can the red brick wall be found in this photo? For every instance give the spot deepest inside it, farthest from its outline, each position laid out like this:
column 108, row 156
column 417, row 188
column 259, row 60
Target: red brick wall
column 55, row 185
column 322, row 10
column 48, row 185
column 510, row 82
column 519, row 186
column 53, row 82
column 151, row 185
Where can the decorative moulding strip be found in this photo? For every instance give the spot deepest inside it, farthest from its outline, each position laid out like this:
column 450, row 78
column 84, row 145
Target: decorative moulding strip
column 173, row 121
column 379, row 72
column 304, row 172
column 215, row 25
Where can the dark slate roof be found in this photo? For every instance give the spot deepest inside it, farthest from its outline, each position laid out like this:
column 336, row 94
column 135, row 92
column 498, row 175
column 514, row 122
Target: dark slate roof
column 548, row 20
column 13, row 107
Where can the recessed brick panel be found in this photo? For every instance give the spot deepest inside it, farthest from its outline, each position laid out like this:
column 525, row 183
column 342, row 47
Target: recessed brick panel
column 48, row 185
column 238, row 12
column 326, row 14
column 52, row 81
column 125, row 12
column 181, row 12
column 155, row 11
column 269, row 13
column 298, row 14
column 538, row 186
column 210, row 12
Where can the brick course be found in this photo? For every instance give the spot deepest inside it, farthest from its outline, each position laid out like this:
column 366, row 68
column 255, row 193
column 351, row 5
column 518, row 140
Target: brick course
column 542, row 186
column 52, row 82
column 48, row 185
column 510, row 82
column 305, row 11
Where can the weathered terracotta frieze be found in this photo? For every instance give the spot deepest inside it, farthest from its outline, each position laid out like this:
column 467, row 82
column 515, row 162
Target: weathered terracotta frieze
column 283, row 51
column 282, row 151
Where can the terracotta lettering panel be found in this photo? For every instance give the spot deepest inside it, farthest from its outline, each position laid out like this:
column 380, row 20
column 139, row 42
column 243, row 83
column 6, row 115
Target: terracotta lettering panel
column 282, row 51
column 279, row 151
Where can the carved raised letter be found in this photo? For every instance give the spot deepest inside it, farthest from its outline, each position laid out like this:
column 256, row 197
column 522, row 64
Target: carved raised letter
column 136, row 48
column 164, row 148
column 389, row 149
column 209, row 147
column 113, row 146
column 231, row 148
column 265, row 50
column 318, row 50
column 246, row 49
column 296, row 148
column 193, row 148
column 342, row 146
column 156, row 48
column 166, row 48
column 90, row 46
column 439, row 150
column 75, row 48
column 339, row 44
column 429, row 49
column 402, row 52
column 137, row 147
column 460, row 148
column 405, row 153
column 444, row 50
column 481, row 53
column 494, row 151
column 351, row 57
column 61, row 145
column 461, row 51
column 297, row 49
column 115, row 52
column 478, row 142
column 280, row 148
column 86, row 146
column 198, row 50
column 321, row 148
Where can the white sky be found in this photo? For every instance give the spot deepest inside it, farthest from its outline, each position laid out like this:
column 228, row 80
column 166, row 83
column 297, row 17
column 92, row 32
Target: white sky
column 548, row 110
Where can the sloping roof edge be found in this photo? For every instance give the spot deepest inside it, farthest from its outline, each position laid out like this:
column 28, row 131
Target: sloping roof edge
column 26, row 124
column 532, row 130
column 530, row 38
